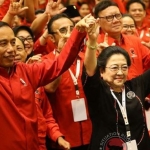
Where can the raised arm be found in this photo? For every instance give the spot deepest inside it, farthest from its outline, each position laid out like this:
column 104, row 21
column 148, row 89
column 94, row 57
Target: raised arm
column 30, row 13
column 90, row 60
column 14, row 9
column 52, row 8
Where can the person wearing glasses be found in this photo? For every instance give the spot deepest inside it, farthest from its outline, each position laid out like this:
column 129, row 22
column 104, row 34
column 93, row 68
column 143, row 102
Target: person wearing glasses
column 115, row 104
column 66, row 93
column 26, row 35
column 110, row 21
column 18, row 114
column 128, row 24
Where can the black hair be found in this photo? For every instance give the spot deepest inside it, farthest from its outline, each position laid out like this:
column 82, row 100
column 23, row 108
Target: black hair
column 103, row 5
column 134, row 1
column 54, row 18
column 2, row 24
column 108, row 52
column 128, row 15
column 39, row 11
column 26, row 28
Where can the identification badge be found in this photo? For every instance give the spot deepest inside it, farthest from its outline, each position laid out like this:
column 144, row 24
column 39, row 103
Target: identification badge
column 79, row 110
column 131, row 145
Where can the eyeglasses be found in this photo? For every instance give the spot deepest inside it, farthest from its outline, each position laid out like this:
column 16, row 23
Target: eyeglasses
column 111, row 17
column 64, row 30
column 126, row 26
column 115, row 68
column 28, row 39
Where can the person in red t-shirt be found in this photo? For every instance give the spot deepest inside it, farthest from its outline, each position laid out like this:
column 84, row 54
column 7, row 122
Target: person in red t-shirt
column 137, row 10
column 63, row 92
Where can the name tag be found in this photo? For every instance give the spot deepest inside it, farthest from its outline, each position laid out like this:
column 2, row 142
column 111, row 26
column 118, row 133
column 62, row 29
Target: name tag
column 79, row 110
column 131, row 145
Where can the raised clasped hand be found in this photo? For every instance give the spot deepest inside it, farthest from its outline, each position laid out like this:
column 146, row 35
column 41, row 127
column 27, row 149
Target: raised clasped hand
column 84, row 23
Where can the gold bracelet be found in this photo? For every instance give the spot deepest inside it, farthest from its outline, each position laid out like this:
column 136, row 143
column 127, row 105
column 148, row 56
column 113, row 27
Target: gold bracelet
column 90, row 46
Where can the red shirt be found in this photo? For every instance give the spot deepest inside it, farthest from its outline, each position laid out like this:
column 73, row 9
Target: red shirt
column 18, row 114
column 139, row 54
column 76, row 133
column 4, row 8
column 143, row 33
column 46, row 122
column 43, row 49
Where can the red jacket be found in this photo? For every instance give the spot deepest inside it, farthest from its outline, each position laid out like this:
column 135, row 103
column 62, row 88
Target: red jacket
column 43, row 49
column 4, row 8
column 76, row 133
column 46, row 122
column 139, row 54
column 143, row 33
column 18, row 126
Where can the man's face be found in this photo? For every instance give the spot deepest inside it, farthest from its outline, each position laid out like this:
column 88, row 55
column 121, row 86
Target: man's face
column 137, row 11
column 7, row 47
column 61, row 28
column 111, row 20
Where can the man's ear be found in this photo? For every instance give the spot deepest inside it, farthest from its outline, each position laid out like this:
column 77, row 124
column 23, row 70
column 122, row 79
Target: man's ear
column 51, row 36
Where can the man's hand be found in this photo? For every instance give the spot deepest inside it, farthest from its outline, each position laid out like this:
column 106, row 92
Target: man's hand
column 84, row 23
column 52, row 8
column 16, row 8
column 62, row 142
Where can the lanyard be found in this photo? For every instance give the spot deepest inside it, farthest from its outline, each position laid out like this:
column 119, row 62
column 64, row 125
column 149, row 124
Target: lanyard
column 123, row 111
column 75, row 77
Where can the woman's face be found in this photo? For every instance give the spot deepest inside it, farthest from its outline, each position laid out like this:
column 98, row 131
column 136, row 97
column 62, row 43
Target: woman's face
column 21, row 54
column 28, row 41
column 84, row 10
column 128, row 26
column 116, row 70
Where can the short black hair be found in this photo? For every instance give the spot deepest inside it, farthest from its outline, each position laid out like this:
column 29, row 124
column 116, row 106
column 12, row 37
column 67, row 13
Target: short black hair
column 134, row 1
column 103, row 5
column 2, row 24
column 54, row 18
column 26, row 28
column 39, row 11
column 108, row 52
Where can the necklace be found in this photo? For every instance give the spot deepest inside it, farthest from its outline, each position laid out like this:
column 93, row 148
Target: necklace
column 144, row 118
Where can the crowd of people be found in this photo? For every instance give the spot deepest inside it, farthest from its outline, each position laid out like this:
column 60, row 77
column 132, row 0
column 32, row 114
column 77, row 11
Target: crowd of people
column 74, row 74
